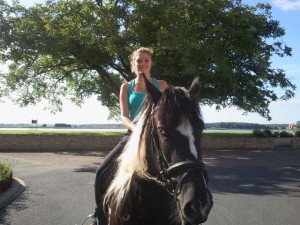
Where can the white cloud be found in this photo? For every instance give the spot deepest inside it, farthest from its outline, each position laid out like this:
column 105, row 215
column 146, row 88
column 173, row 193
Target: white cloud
column 287, row 5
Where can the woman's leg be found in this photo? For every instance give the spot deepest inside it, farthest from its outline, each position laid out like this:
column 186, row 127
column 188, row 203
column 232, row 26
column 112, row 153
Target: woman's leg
column 104, row 176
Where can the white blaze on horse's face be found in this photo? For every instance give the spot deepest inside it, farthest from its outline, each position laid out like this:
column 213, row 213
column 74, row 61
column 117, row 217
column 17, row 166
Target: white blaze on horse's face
column 185, row 128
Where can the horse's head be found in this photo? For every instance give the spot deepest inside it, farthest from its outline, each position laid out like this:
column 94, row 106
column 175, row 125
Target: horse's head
column 175, row 127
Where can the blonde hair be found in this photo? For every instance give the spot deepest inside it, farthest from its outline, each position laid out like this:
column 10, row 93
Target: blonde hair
column 131, row 161
column 138, row 51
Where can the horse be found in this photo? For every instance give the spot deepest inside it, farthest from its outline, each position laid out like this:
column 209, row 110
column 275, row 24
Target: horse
column 161, row 178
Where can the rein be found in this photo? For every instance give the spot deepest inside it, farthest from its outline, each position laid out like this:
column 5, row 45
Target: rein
column 167, row 172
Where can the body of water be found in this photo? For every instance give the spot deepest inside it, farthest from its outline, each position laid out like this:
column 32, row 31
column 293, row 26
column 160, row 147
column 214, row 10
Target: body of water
column 123, row 130
column 115, row 130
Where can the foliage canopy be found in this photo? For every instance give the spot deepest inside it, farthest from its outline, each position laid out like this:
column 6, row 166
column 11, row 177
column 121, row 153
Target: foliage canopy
column 80, row 48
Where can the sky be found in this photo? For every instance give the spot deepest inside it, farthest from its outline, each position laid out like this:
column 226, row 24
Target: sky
column 91, row 112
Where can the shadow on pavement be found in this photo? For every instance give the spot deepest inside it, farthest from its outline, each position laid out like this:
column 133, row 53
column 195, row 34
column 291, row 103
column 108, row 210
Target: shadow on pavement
column 87, row 169
column 254, row 172
column 256, row 180
column 92, row 166
column 18, row 204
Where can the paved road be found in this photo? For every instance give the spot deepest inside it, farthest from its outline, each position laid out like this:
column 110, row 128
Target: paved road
column 249, row 187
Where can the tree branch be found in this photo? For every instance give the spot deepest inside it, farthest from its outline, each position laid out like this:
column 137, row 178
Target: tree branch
column 121, row 70
column 106, row 78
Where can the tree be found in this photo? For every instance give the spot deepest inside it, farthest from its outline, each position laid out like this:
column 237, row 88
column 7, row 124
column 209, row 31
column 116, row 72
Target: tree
column 80, row 48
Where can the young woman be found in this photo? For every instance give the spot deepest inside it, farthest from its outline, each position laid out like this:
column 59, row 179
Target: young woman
column 131, row 97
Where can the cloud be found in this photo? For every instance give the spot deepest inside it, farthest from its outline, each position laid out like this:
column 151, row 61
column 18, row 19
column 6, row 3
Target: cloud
column 287, row 5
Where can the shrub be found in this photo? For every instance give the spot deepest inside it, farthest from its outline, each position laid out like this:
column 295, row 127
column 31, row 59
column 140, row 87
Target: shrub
column 297, row 133
column 267, row 133
column 262, row 133
column 258, row 133
column 5, row 171
column 285, row 134
column 282, row 134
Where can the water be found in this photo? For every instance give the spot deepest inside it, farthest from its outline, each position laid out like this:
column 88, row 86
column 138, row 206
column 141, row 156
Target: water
column 242, row 130
column 114, row 130
column 123, row 130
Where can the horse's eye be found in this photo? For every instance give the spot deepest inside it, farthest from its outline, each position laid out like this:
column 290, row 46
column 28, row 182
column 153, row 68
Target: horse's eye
column 162, row 132
column 174, row 180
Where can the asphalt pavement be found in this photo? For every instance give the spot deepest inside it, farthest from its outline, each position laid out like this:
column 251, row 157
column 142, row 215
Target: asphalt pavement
column 249, row 187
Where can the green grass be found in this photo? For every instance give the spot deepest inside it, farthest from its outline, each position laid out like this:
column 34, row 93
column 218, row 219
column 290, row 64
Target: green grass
column 103, row 133
column 5, row 171
column 229, row 134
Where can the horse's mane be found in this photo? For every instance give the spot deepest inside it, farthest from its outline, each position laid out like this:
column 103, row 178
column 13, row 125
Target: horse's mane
column 131, row 161
column 174, row 105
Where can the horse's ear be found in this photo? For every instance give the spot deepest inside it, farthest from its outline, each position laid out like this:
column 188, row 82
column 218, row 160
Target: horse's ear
column 195, row 87
column 152, row 91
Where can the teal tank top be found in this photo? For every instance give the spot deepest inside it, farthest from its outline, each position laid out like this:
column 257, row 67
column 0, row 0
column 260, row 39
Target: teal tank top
column 136, row 98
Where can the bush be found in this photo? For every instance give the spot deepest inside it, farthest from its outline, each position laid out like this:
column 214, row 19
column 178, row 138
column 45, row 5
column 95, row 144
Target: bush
column 267, row 133
column 262, row 133
column 258, row 133
column 5, row 171
column 297, row 133
column 283, row 134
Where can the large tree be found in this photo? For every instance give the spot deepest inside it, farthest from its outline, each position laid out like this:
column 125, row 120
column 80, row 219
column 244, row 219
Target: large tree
column 80, row 48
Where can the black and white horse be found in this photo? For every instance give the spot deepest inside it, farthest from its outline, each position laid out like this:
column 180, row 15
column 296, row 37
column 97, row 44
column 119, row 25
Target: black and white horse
column 160, row 178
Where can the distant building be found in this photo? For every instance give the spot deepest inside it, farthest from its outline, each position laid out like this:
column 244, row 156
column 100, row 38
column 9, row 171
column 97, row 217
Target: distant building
column 34, row 124
column 62, row 125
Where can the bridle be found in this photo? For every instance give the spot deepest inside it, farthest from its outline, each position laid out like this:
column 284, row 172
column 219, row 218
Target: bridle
column 167, row 172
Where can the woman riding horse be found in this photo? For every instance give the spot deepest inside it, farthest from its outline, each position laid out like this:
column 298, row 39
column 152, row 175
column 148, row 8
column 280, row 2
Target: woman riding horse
column 160, row 177
column 131, row 97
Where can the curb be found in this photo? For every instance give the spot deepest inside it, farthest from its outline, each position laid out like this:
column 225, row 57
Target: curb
column 17, row 187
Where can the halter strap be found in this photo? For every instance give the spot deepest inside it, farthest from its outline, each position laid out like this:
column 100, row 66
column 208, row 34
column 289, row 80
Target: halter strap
column 166, row 171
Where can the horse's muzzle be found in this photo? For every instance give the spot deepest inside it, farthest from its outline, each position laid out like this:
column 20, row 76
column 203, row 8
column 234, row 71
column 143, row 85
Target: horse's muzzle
column 195, row 213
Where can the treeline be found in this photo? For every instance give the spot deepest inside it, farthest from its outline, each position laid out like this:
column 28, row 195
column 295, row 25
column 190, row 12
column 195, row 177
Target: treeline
column 238, row 125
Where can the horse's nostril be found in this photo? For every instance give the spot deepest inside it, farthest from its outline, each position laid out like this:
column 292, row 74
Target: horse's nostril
column 190, row 210
column 194, row 213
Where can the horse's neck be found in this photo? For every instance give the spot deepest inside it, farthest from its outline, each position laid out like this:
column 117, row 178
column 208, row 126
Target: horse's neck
column 148, row 204
column 151, row 154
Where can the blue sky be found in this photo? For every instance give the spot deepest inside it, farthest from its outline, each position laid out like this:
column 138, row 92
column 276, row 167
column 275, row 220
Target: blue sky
column 285, row 11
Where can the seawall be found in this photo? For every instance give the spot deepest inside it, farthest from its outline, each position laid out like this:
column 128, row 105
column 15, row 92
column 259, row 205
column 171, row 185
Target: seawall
column 73, row 142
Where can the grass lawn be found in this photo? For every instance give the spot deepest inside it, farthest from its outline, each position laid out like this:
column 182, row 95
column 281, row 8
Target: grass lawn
column 229, row 134
column 101, row 133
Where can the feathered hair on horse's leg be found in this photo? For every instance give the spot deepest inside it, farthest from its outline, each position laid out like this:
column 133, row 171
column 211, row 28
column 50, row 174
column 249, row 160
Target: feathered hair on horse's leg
column 112, row 215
